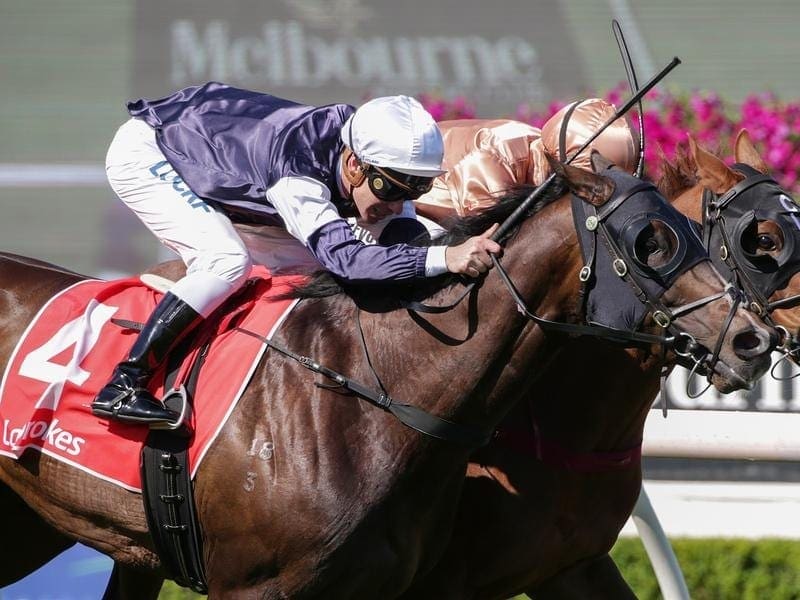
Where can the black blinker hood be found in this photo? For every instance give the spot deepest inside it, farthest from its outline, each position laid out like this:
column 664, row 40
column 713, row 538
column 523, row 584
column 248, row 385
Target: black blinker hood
column 756, row 198
column 611, row 300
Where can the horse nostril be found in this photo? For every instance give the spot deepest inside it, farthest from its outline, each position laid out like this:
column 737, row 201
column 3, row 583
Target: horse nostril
column 751, row 343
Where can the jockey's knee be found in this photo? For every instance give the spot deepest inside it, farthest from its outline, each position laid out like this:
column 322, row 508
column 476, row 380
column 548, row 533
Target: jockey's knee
column 231, row 265
column 212, row 278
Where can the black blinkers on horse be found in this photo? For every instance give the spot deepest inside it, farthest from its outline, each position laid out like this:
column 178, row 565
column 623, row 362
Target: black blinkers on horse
column 614, row 267
column 622, row 263
column 730, row 219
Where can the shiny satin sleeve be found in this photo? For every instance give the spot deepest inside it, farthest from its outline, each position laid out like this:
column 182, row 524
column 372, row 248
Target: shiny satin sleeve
column 483, row 158
column 477, row 177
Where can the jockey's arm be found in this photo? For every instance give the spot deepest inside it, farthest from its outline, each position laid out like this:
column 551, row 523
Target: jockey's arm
column 305, row 207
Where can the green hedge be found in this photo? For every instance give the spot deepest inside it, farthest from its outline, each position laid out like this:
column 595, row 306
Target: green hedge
column 714, row 569
column 718, row 569
column 170, row 591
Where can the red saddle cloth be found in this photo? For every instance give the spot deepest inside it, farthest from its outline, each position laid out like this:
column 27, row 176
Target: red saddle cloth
column 67, row 354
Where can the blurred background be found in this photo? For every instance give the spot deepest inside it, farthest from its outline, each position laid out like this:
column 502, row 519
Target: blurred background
column 67, row 69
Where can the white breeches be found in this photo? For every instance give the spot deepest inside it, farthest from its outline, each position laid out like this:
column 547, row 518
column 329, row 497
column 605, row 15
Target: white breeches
column 217, row 261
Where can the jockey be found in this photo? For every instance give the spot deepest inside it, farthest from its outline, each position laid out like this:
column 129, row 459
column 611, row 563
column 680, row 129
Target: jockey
column 191, row 164
column 485, row 157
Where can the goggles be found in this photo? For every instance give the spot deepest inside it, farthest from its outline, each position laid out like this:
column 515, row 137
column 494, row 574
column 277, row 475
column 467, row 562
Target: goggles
column 390, row 185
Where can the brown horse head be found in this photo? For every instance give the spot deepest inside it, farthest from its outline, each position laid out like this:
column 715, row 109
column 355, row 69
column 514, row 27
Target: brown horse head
column 652, row 246
column 544, row 503
column 760, row 224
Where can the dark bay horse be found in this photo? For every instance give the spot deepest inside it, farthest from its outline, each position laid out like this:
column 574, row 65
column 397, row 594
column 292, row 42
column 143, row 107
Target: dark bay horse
column 543, row 505
column 352, row 504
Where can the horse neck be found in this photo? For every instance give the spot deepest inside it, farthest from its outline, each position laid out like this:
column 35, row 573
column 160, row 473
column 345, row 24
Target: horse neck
column 493, row 367
column 594, row 397
column 469, row 364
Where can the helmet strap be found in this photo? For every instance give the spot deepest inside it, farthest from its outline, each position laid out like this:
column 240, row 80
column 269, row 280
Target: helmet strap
column 354, row 177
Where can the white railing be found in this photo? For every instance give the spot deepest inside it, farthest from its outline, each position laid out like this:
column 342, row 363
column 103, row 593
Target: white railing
column 659, row 551
column 723, row 434
column 711, row 435
column 52, row 175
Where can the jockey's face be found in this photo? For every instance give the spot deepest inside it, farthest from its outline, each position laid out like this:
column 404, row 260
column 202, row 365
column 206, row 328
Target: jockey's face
column 370, row 208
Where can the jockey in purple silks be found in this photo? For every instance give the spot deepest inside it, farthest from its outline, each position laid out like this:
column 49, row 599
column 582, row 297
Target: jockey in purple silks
column 226, row 177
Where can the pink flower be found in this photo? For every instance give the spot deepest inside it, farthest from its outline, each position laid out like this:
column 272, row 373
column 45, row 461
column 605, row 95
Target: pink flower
column 441, row 109
column 773, row 125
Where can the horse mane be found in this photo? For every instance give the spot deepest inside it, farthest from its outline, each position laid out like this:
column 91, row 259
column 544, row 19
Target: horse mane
column 391, row 295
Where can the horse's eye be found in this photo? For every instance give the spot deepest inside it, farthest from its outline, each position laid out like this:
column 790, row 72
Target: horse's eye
column 651, row 245
column 765, row 242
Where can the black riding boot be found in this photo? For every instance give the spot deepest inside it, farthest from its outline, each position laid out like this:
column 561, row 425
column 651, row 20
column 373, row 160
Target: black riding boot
column 125, row 397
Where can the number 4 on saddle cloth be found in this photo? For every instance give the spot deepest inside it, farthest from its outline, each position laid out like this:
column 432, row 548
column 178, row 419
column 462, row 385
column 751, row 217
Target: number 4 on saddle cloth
column 69, row 350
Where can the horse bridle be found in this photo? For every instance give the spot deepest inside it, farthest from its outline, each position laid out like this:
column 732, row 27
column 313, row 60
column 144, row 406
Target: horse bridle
column 604, row 224
column 471, row 435
column 726, row 218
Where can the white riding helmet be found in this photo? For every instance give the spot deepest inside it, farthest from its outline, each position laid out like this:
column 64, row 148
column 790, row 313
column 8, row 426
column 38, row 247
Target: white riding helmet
column 397, row 133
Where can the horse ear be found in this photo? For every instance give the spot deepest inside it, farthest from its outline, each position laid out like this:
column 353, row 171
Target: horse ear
column 745, row 152
column 599, row 162
column 711, row 172
column 591, row 187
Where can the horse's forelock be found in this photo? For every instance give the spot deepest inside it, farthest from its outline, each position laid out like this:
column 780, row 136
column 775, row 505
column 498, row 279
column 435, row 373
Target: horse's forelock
column 677, row 175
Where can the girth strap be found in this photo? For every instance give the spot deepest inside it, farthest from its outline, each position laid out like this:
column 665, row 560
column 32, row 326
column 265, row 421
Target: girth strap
column 168, row 491
column 168, row 497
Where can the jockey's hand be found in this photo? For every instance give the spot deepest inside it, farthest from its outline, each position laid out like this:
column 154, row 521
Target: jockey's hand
column 472, row 257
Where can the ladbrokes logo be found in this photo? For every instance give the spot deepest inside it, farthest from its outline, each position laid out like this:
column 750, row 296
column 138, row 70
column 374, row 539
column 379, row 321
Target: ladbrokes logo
column 45, row 370
column 41, row 433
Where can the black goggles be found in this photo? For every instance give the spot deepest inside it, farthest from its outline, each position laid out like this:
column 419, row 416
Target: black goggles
column 390, row 185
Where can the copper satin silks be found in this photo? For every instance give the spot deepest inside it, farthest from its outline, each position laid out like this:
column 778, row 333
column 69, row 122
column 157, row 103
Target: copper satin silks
column 487, row 156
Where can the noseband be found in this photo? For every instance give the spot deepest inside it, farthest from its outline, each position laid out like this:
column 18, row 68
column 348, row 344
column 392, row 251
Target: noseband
column 727, row 217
